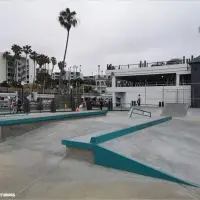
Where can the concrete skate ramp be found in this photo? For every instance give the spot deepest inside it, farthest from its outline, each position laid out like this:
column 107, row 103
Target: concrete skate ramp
column 175, row 109
column 147, row 152
column 172, row 148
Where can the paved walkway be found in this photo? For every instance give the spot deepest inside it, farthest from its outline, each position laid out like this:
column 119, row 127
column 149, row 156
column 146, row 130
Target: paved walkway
column 34, row 166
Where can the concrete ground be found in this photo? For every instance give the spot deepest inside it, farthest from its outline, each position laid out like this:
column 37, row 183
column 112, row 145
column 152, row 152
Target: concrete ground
column 34, row 166
column 173, row 147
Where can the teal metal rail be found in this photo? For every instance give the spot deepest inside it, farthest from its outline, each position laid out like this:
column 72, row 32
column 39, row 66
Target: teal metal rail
column 143, row 112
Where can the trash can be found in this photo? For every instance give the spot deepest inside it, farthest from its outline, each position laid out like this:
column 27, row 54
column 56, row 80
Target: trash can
column 53, row 106
column 133, row 103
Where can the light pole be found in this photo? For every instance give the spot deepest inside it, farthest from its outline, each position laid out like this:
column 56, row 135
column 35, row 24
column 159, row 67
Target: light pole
column 22, row 85
column 98, row 70
column 71, row 91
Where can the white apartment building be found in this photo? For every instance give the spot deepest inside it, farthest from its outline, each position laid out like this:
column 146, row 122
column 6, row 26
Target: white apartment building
column 167, row 82
column 68, row 76
column 21, row 72
column 102, row 81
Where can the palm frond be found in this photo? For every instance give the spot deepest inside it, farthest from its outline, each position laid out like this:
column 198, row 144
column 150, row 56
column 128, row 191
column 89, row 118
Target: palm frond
column 67, row 10
column 67, row 19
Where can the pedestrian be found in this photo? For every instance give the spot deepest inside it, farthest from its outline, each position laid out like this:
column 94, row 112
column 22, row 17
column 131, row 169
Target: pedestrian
column 19, row 105
column 139, row 100
column 101, row 104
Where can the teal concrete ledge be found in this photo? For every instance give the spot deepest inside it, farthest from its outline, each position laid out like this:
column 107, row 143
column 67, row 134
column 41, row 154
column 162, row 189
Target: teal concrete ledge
column 51, row 117
column 108, row 158
column 75, row 144
column 115, row 134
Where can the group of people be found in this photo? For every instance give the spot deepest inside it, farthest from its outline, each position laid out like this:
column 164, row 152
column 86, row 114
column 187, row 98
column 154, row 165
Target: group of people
column 19, row 106
column 16, row 106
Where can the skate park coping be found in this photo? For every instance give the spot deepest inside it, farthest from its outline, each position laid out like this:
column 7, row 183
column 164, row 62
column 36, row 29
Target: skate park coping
column 38, row 117
column 115, row 134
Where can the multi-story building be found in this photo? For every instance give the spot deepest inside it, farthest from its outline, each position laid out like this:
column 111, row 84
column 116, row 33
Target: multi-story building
column 19, row 72
column 102, row 81
column 156, row 83
column 68, row 76
column 56, row 75
column 88, row 78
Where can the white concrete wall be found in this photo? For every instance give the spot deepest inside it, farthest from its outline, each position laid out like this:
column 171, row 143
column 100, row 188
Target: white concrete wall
column 31, row 71
column 179, row 69
column 152, row 95
column 2, row 68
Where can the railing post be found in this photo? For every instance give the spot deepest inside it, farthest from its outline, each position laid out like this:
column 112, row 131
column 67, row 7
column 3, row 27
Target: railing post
column 145, row 95
column 183, row 92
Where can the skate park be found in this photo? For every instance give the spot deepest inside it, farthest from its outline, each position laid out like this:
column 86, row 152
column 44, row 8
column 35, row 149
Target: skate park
column 56, row 159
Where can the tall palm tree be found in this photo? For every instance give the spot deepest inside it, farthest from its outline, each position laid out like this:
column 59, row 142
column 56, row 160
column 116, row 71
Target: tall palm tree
column 17, row 50
column 67, row 19
column 54, row 62
column 48, row 61
column 27, row 50
column 6, row 55
column 41, row 60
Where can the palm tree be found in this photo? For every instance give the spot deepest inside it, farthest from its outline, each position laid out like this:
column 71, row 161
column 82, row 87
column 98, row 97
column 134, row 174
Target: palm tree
column 48, row 61
column 17, row 50
column 6, row 55
column 41, row 60
column 54, row 62
column 27, row 50
column 67, row 19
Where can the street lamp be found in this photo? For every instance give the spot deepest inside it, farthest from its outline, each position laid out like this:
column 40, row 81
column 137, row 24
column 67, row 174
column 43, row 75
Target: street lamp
column 71, row 91
column 22, row 85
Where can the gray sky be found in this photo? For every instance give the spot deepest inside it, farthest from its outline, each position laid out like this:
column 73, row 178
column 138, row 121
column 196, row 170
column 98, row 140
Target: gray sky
column 110, row 31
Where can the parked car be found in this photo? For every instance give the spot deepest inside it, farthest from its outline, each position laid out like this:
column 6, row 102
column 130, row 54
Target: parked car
column 157, row 64
column 174, row 61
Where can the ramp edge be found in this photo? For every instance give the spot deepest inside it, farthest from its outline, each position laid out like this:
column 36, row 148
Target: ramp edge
column 52, row 117
column 115, row 134
column 107, row 158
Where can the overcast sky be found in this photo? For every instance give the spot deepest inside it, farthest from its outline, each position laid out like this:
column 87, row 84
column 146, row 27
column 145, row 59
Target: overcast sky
column 110, row 31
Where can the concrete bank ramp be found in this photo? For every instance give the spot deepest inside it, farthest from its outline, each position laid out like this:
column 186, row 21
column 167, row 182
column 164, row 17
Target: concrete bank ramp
column 172, row 147
column 175, row 109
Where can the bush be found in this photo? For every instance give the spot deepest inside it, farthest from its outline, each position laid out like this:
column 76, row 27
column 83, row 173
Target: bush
column 39, row 106
column 4, row 84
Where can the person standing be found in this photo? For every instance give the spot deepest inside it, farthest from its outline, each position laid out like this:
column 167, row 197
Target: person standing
column 139, row 100
column 19, row 105
column 101, row 104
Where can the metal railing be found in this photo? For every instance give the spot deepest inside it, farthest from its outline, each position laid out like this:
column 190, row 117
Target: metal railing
column 141, row 112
